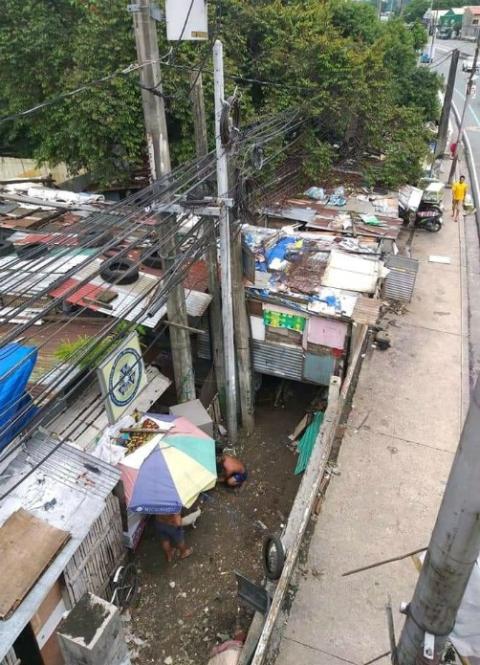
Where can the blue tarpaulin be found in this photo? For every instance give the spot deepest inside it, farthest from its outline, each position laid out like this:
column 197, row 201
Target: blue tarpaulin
column 16, row 408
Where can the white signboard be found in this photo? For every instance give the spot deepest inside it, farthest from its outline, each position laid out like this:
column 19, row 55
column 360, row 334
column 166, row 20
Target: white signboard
column 187, row 20
column 122, row 377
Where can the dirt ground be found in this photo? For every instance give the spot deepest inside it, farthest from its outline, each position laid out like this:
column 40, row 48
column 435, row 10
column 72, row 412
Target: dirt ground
column 185, row 608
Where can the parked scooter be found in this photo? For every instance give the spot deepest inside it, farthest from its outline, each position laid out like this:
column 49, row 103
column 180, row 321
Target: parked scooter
column 413, row 209
column 427, row 217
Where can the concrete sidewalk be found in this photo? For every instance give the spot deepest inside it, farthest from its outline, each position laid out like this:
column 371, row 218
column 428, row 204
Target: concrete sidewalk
column 395, row 457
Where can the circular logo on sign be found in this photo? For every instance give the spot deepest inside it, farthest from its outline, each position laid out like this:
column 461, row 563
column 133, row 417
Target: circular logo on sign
column 125, row 377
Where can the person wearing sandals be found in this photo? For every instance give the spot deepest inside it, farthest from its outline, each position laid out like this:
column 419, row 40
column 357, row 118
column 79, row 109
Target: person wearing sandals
column 172, row 536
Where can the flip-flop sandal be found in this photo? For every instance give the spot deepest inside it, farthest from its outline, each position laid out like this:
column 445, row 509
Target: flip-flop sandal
column 187, row 553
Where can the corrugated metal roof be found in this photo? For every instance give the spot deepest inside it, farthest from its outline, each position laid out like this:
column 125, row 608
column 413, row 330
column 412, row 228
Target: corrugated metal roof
column 122, row 306
column 70, row 466
column 30, row 277
column 400, row 281
column 64, row 493
column 366, row 310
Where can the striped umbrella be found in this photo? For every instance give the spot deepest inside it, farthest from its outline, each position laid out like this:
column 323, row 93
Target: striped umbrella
column 168, row 473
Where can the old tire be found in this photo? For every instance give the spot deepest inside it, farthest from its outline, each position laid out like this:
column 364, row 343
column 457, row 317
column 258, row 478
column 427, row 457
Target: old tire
column 273, row 556
column 95, row 237
column 152, row 259
column 121, row 271
column 32, row 251
column 6, row 248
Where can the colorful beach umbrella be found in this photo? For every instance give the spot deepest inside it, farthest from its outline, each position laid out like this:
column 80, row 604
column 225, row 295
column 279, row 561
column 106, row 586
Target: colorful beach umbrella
column 168, row 472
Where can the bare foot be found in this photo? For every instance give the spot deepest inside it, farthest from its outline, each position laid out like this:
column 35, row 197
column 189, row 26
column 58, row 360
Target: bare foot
column 187, row 553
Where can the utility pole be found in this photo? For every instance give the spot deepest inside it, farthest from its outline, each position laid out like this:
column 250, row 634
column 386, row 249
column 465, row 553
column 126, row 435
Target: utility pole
column 242, row 335
column 225, row 246
column 433, row 34
column 151, row 78
column 215, row 309
column 447, row 105
column 466, row 104
column 452, row 553
column 159, row 159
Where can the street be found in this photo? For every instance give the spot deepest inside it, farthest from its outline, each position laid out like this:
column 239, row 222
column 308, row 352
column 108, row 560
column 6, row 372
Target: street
column 441, row 51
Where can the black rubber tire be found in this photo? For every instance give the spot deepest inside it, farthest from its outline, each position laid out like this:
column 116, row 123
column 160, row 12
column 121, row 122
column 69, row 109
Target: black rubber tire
column 32, row 251
column 95, row 237
column 273, row 569
column 122, row 271
column 6, row 248
column 153, row 260
column 434, row 226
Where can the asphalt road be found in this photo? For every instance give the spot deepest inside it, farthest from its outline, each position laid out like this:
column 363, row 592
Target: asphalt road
column 472, row 120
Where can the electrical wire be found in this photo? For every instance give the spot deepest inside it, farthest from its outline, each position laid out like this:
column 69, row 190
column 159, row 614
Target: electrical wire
column 110, row 245
column 88, row 350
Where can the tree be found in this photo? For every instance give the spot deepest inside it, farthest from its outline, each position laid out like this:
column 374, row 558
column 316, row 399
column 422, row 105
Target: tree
column 354, row 79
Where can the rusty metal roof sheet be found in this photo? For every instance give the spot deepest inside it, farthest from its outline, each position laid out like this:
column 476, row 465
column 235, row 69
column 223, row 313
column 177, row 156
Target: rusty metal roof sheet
column 366, row 310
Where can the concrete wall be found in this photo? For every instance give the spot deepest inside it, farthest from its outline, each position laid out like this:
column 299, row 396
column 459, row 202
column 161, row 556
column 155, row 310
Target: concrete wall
column 15, row 167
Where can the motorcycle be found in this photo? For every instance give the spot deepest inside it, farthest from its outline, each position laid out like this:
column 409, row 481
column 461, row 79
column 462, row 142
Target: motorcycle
column 421, row 214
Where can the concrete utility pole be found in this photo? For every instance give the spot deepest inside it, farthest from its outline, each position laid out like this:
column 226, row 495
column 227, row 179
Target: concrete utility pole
column 151, row 77
column 225, row 246
column 447, row 105
column 468, row 95
column 215, row 309
column 452, row 553
column 432, row 43
column 159, row 159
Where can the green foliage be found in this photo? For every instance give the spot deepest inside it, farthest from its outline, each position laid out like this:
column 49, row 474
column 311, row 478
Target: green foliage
column 85, row 351
column 355, row 79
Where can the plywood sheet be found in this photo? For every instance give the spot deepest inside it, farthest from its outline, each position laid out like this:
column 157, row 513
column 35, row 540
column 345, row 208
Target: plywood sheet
column 27, row 546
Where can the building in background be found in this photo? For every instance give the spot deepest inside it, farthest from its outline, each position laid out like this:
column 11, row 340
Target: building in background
column 470, row 23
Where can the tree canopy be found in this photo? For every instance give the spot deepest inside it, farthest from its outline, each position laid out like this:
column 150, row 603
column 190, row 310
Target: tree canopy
column 354, row 78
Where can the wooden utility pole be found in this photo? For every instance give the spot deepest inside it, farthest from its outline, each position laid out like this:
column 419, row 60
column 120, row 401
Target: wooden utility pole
column 242, row 336
column 447, row 106
column 225, row 248
column 451, row 555
column 159, row 159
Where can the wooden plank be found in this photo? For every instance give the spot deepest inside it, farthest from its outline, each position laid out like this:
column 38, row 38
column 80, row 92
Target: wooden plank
column 27, row 547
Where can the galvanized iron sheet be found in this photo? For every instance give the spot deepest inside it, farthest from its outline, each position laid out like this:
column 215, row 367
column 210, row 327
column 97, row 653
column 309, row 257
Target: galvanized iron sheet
column 400, row 281
column 278, row 360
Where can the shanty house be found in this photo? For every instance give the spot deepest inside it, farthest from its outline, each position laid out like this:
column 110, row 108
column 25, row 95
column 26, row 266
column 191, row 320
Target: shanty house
column 60, row 535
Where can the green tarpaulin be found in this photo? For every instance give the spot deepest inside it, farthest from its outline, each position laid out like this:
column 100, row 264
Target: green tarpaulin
column 307, row 442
